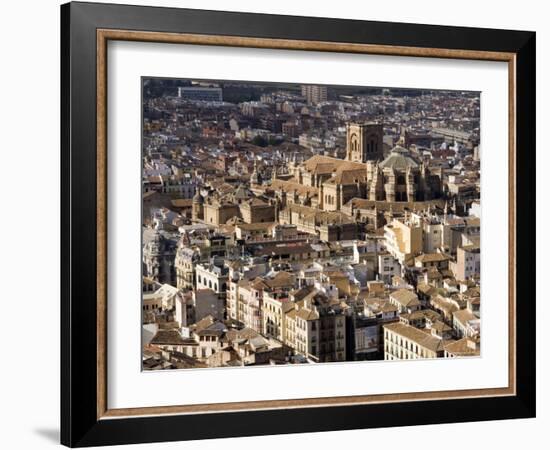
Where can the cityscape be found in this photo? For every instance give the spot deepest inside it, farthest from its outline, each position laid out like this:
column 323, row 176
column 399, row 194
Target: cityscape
column 292, row 224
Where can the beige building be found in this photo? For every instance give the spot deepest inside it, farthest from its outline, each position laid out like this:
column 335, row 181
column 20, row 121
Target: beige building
column 467, row 346
column 446, row 306
column 249, row 348
column 231, row 299
column 257, row 211
column 246, row 303
column 151, row 303
column 275, row 308
column 208, row 334
column 466, row 322
column 405, row 300
column 328, row 226
column 436, row 229
column 403, row 341
column 165, row 296
column 218, row 213
column 249, row 301
column 429, row 260
column 254, row 231
column 205, row 340
column 316, row 328
column 403, row 240
column 314, row 94
column 185, row 262
column 290, row 192
column 468, row 262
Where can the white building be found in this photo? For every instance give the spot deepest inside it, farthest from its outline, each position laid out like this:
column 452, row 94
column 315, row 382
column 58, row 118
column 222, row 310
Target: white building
column 388, row 266
column 212, row 276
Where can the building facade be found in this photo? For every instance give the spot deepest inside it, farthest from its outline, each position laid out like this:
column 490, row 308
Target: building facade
column 403, row 341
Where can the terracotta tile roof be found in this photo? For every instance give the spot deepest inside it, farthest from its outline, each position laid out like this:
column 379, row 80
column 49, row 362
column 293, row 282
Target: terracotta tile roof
column 431, row 257
column 463, row 347
column 405, row 297
column 291, row 186
column 170, row 337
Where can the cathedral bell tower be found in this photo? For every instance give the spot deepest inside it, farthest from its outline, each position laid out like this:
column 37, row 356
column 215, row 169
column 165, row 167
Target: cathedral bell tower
column 364, row 142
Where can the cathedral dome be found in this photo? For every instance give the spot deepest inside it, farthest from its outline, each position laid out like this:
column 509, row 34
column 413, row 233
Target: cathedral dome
column 399, row 159
column 242, row 193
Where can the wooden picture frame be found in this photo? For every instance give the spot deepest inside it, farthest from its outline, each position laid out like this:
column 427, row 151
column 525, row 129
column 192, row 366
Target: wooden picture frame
column 86, row 419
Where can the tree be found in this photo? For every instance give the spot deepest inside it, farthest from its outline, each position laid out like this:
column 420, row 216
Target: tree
column 260, row 141
column 274, row 141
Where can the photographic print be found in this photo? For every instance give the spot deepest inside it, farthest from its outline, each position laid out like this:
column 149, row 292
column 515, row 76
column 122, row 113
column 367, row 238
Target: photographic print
column 289, row 224
column 307, row 211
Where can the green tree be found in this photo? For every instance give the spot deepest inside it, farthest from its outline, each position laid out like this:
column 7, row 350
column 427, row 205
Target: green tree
column 260, row 141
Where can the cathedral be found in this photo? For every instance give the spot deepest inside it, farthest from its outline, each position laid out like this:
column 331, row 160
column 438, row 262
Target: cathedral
column 399, row 177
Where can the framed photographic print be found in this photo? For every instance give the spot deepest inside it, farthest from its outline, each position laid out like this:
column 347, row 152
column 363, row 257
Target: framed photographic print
column 277, row 224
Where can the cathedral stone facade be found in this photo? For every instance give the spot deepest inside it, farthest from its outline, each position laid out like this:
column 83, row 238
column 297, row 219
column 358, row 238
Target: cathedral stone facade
column 365, row 174
column 402, row 178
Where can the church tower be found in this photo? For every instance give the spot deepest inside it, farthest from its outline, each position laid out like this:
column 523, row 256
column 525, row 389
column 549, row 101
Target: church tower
column 198, row 207
column 364, row 142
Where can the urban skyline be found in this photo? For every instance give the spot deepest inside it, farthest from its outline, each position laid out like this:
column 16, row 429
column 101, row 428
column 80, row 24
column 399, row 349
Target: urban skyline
column 303, row 224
